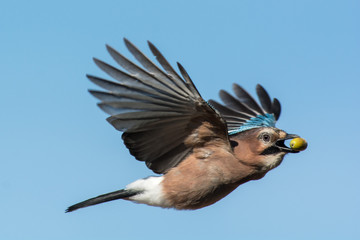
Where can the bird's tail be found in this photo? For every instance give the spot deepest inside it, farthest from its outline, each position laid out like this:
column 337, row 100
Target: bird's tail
column 120, row 194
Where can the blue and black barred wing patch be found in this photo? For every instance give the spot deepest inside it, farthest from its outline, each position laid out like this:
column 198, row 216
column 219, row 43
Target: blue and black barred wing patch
column 241, row 112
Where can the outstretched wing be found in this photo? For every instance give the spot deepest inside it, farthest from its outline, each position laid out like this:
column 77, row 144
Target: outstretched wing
column 242, row 112
column 160, row 113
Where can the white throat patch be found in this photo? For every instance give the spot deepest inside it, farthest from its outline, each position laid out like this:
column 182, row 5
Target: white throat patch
column 272, row 161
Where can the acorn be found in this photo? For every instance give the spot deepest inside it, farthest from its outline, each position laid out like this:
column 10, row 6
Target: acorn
column 298, row 144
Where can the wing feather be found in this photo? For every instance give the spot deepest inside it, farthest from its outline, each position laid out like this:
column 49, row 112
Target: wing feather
column 243, row 112
column 158, row 112
column 264, row 98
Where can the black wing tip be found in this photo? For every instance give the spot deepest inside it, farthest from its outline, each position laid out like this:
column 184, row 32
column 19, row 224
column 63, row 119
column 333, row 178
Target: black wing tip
column 154, row 49
column 259, row 86
column 273, row 106
column 223, row 93
column 93, row 92
column 276, row 106
column 95, row 79
column 180, row 66
column 97, row 61
column 102, row 105
column 128, row 44
column 236, row 86
column 184, row 73
column 276, row 100
column 89, row 76
column 151, row 45
column 96, row 94
column 109, row 48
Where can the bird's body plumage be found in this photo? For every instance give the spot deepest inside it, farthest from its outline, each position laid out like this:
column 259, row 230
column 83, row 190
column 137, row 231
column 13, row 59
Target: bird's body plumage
column 204, row 150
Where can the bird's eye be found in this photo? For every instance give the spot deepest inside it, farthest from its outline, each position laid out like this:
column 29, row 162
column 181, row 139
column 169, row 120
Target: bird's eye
column 266, row 137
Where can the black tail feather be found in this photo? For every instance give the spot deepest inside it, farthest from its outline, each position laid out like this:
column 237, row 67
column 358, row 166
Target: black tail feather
column 123, row 193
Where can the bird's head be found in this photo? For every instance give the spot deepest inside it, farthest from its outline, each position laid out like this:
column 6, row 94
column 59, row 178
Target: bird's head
column 251, row 128
column 265, row 147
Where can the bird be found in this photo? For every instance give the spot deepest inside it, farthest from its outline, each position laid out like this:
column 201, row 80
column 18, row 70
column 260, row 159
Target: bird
column 199, row 150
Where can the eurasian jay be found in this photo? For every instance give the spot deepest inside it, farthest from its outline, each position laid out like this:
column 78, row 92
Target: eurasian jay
column 201, row 150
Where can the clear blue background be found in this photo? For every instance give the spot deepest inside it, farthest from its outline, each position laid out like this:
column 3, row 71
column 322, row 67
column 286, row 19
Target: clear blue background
column 57, row 149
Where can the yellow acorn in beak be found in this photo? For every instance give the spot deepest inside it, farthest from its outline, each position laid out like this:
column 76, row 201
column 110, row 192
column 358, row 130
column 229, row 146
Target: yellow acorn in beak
column 298, row 144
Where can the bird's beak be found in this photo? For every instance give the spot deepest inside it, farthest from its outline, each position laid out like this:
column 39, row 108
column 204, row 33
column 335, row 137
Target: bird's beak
column 281, row 144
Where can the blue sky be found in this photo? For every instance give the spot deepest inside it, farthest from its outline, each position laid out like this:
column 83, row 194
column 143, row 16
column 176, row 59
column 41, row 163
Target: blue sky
column 57, row 149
